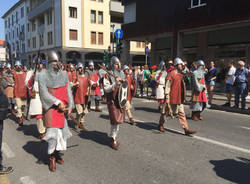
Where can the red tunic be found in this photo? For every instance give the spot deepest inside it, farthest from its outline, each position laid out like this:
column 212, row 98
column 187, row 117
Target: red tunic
column 72, row 76
column 202, row 95
column 178, row 89
column 96, row 91
column 54, row 118
column 129, row 79
column 20, row 90
column 82, row 90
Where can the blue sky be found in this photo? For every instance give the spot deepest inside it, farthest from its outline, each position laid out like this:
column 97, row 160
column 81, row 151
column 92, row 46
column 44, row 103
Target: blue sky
column 5, row 5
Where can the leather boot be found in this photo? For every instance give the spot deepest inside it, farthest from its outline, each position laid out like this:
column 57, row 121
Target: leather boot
column 195, row 116
column 200, row 117
column 59, row 159
column 97, row 108
column 161, row 122
column 189, row 132
column 20, row 121
column 115, row 144
column 52, row 163
column 132, row 121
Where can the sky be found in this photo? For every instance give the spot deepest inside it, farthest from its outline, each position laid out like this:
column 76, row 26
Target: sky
column 4, row 7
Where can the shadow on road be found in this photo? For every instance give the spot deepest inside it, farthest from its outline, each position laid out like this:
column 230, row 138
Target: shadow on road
column 233, row 170
column 29, row 130
column 96, row 136
column 38, row 150
column 12, row 117
column 104, row 116
column 147, row 109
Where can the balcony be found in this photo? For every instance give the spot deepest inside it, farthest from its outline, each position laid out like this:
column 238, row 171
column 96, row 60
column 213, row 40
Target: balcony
column 41, row 8
column 116, row 8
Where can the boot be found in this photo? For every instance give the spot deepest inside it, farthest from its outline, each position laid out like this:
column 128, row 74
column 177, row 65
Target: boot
column 59, row 159
column 115, row 144
column 132, row 121
column 161, row 122
column 200, row 117
column 20, row 121
column 52, row 163
column 97, row 108
column 189, row 132
column 195, row 116
column 42, row 136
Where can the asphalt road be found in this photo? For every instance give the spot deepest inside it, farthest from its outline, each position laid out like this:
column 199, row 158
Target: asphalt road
column 219, row 153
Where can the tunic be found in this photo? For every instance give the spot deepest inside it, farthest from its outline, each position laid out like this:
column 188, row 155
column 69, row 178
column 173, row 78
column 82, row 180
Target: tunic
column 160, row 79
column 20, row 90
column 82, row 89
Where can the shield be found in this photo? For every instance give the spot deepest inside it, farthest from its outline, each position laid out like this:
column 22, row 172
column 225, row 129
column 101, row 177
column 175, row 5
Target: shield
column 123, row 94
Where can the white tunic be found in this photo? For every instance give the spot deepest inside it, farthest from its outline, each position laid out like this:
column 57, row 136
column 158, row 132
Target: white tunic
column 35, row 104
column 161, row 82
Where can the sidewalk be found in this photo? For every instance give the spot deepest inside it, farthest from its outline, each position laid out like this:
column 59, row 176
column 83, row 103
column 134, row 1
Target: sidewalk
column 218, row 100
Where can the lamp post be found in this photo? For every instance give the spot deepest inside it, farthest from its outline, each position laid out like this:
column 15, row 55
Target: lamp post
column 113, row 38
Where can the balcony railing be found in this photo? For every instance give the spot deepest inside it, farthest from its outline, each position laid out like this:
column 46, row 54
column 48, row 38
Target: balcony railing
column 41, row 8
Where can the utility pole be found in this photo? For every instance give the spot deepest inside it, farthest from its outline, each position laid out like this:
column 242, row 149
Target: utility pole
column 113, row 38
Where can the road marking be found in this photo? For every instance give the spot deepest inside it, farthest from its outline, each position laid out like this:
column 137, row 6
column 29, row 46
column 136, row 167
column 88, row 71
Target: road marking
column 4, row 179
column 27, row 180
column 7, row 151
column 247, row 128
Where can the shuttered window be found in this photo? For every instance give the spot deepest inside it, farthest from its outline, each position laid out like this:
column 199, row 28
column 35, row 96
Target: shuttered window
column 93, row 37
column 73, row 34
column 100, row 38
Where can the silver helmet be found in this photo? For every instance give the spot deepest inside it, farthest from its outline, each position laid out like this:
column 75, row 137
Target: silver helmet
column 162, row 64
column 8, row 66
column 18, row 63
column 178, row 61
column 71, row 66
column 200, row 63
column 114, row 60
column 125, row 67
column 103, row 64
column 52, row 56
column 79, row 65
column 91, row 63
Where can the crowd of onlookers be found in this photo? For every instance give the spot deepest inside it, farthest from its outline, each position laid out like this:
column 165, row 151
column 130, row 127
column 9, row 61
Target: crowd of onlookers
column 235, row 79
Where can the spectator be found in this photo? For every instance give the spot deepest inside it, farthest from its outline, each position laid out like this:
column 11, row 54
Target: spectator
column 147, row 78
column 229, row 83
column 248, row 84
column 210, row 81
column 153, row 82
column 140, row 80
column 241, row 76
column 193, row 67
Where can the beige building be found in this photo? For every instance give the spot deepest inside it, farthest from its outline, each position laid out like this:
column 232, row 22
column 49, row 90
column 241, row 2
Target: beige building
column 79, row 30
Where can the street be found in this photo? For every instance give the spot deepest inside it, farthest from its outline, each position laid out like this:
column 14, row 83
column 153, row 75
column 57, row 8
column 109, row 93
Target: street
column 219, row 153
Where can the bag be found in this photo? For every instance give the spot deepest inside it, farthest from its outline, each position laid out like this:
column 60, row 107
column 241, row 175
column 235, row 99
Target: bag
column 116, row 115
column 4, row 104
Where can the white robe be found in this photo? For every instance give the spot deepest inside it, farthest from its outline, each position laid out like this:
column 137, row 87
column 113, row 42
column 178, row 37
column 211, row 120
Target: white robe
column 161, row 82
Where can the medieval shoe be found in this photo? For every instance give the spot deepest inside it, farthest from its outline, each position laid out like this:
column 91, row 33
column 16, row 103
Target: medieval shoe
column 59, row 159
column 42, row 136
column 52, row 164
column 195, row 116
column 20, row 121
column 161, row 128
column 189, row 132
column 98, row 109
column 132, row 121
column 115, row 144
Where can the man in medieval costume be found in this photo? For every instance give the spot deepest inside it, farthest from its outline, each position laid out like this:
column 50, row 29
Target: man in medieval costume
column 81, row 85
column 131, row 92
column 102, row 74
column 8, row 86
column 57, row 101
column 95, row 93
column 35, row 106
column 71, row 74
column 199, row 98
column 175, row 93
column 116, row 113
column 20, row 91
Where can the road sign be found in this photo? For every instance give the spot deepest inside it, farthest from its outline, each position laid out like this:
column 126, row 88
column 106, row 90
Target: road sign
column 147, row 50
column 118, row 33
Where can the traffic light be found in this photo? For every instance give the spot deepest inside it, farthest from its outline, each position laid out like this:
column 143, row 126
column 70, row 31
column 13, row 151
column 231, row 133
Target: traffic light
column 119, row 49
column 105, row 56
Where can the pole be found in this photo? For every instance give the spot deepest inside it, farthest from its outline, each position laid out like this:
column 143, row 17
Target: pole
column 146, row 58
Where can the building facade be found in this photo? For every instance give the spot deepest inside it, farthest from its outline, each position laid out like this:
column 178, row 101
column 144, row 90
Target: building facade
column 2, row 51
column 191, row 29
column 78, row 30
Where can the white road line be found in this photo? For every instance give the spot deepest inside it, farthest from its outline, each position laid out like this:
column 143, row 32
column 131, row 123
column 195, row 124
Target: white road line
column 7, row 151
column 247, row 128
column 27, row 180
column 211, row 141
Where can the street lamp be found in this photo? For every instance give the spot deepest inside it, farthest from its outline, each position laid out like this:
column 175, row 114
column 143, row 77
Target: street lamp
column 113, row 37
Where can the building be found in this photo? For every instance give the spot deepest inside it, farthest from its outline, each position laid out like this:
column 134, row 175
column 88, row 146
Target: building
column 78, row 30
column 191, row 29
column 2, row 51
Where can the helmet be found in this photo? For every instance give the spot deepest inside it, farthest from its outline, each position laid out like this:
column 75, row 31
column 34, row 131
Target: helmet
column 1, row 66
column 8, row 66
column 52, row 56
column 79, row 65
column 200, row 63
column 103, row 64
column 114, row 60
column 178, row 61
column 18, row 63
column 125, row 67
column 71, row 66
column 91, row 63
column 25, row 67
column 162, row 64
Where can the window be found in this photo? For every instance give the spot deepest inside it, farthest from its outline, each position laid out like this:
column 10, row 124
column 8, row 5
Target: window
column 16, row 17
column 100, row 17
column 72, row 34
column 34, row 42
column 28, row 10
column 49, row 17
column 17, row 32
column 138, row 44
column 130, row 13
column 100, row 38
column 13, row 34
column 22, row 12
column 5, row 24
column 50, row 38
column 8, row 22
column 41, row 40
column 198, row 3
column 17, row 46
column 72, row 12
column 28, row 27
column 6, row 37
column 12, row 18
column 143, row 44
column 23, row 48
column 93, row 16
column 33, row 26
column 100, row 1
column 93, row 37
column 9, row 36
column 29, row 43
